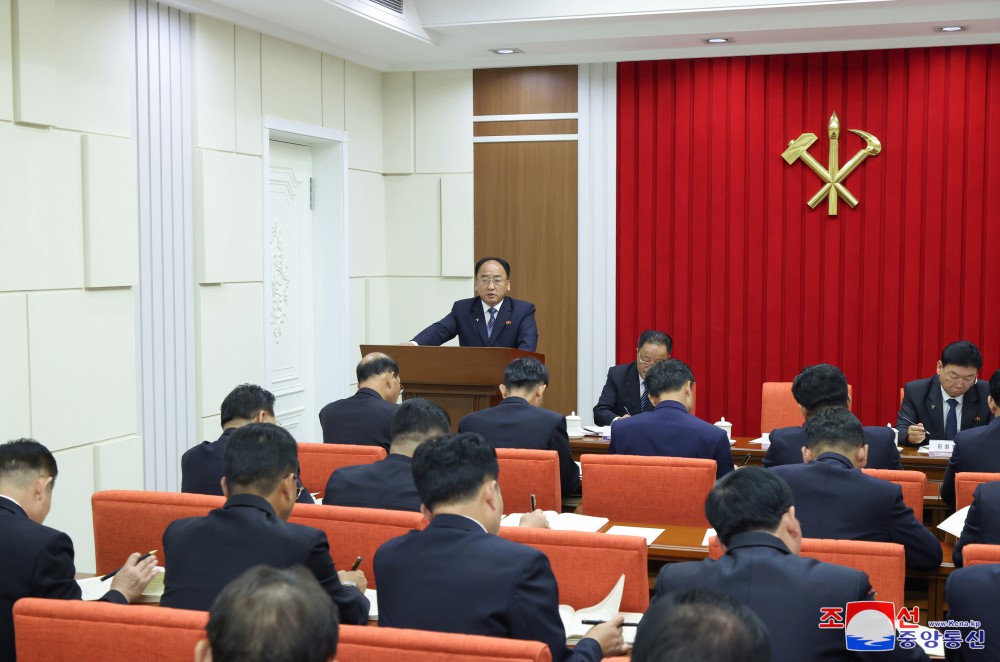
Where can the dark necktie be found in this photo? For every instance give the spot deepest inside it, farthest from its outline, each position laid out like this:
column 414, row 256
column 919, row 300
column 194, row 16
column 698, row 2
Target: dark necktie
column 951, row 421
column 489, row 325
column 644, row 400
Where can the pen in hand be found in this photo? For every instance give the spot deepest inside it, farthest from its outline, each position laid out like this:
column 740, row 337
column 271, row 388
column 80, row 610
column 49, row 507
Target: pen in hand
column 357, row 563
column 532, row 503
column 116, row 570
column 590, row 621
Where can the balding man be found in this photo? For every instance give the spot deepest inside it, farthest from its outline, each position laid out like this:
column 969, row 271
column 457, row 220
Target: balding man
column 365, row 418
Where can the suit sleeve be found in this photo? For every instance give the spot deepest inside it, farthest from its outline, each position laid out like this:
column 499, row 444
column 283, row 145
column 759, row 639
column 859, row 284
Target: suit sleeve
column 923, row 551
column 351, row 603
column 569, row 473
column 438, row 333
column 723, row 457
column 973, row 531
column 54, row 573
column 948, row 482
column 907, row 410
column 527, row 332
column 606, row 409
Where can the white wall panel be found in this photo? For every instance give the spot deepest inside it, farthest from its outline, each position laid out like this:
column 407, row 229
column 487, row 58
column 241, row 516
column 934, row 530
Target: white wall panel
column 291, row 81
column 378, row 320
column 397, row 122
column 34, row 24
column 413, row 225
column 333, row 92
column 71, row 512
column 230, row 341
column 14, row 381
column 248, row 109
column 118, row 464
column 444, row 121
column 41, row 212
column 366, row 198
column 6, row 64
column 228, row 217
column 358, row 293
column 82, row 353
column 415, row 303
column 110, row 212
column 213, row 78
column 457, row 211
column 363, row 117
column 209, row 428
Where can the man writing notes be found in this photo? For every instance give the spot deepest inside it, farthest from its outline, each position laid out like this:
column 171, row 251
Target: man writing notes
column 491, row 318
column 365, row 418
column 941, row 406
column 625, row 392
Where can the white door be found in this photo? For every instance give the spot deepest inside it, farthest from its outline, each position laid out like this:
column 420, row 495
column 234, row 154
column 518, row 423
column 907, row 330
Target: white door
column 290, row 332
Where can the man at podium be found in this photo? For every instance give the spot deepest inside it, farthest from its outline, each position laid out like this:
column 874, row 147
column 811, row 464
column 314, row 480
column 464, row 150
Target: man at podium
column 491, row 318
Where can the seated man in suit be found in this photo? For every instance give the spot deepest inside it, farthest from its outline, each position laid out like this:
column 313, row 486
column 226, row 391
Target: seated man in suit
column 491, row 318
column 458, row 575
column 268, row 614
column 982, row 523
column 201, row 466
column 389, row 483
column 837, row 500
column 206, row 553
column 976, row 449
column 625, row 392
column 365, row 418
column 971, row 594
column 37, row 562
column 669, row 429
column 941, row 406
column 815, row 389
column 753, row 513
column 520, row 422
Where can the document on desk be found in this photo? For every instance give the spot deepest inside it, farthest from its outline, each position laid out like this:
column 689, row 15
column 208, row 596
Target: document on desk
column 598, row 430
column 372, row 596
column 955, row 523
column 708, row 535
column 604, row 610
column 649, row 534
column 562, row 521
column 94, row 589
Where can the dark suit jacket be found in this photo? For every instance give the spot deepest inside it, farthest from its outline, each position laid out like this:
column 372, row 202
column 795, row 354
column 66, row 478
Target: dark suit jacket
column 786, row 447
column 202, row 468
column 976, row 449
column 982, row 524
column 514, row 326
column 971, row 594
column 835, row 500
column 516, row 424
column 670, row 430
column 206, row 553
column 455, row 577
column 35, row 562
column 922, row 403
column 384, row 484
column 621, row 392
column 365, row 419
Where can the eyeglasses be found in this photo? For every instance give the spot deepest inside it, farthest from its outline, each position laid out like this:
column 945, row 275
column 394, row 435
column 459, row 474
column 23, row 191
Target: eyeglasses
column 647, row 362
column 959, row 379
column 298, row 491
column 496, row 280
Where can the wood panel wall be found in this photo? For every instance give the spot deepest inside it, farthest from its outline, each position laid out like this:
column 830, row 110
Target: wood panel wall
column 526, row 205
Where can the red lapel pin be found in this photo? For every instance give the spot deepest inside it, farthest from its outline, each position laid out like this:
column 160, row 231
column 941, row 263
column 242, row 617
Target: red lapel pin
column 508, row 324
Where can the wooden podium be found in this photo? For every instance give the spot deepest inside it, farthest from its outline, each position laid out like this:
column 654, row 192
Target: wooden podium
column 460, row 379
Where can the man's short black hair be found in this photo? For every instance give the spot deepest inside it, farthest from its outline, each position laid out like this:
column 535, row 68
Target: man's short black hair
column 667, row 376
column 651, row 336
column 24, row 460
column 819, row 386
column 502, row 262
column 269, row 614
column 700, row 625
column 995, row 387
column 258, row 456
column 376, row 366
column 421, row 418
column 525, row 372
column 751, row 499
column 835, row 427
column 246, row 401
column 452, row 468
column 962, row 353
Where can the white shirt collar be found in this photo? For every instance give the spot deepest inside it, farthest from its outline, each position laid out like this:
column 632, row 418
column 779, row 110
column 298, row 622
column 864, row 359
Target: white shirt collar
column 486, row 307
column 4, row 496
column 945, row 397
column 480, row 524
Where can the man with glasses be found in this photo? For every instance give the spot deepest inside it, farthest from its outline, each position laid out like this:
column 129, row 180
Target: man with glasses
column 941, row 406
column 491, row 318
column 625, row 392
column 365, row 418
column 251, row 529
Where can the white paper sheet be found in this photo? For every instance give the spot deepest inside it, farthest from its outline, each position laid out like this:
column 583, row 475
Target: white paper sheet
column 955, row 523
column 562, row 521
column 372, row 596
column 649, row 534
column 708, row 534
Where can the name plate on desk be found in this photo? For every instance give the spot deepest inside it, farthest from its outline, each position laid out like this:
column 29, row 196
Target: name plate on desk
column 940, row 447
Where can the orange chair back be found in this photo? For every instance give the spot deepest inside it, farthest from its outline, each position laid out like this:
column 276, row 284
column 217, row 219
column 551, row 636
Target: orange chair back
column 966, row 483
column 587, row 565
column 778, row 408
column 363, row 644
column 978, row 553
column 525, row 472
column 318, row 461
column 127, row 521
column 883, row 562
column 651, row 490
column 354, row 532
column 913, row 483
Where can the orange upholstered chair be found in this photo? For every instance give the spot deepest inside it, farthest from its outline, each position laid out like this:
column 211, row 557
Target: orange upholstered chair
column 354, row 532
column 127, row 521
column 364, row 644
column 883, row 562
column 652, row 490
column 318, row 461
column 966, row 483
column 525, row 472
column 587, row 565
column 778, row 408
column 978, row 553
column 912, row 482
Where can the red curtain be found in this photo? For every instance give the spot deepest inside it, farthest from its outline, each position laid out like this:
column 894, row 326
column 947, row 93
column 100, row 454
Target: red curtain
column 717, row 246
